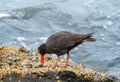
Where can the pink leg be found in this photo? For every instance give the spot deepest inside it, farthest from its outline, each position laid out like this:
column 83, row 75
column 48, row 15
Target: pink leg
column 66, row 63
column 55, row 64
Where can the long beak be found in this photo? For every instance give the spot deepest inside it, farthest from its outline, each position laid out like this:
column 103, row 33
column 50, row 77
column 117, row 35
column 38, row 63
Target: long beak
column 42, row 59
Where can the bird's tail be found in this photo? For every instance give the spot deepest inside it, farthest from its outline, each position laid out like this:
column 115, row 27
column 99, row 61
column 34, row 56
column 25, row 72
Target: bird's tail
column 89, row 37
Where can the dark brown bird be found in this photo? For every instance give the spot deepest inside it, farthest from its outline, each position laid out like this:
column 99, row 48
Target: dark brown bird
column 61, row 43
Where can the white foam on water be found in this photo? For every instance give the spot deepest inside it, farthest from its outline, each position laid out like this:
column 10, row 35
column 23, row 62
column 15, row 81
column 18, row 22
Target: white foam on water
column 117, row 43
column 19, row 39
column 23, row 44
column 102, row 34
column 105, row 27
column 43, row 39
column 4, row 15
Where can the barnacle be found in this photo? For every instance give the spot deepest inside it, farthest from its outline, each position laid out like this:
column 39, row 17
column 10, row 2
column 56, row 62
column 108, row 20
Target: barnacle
column 22, row 62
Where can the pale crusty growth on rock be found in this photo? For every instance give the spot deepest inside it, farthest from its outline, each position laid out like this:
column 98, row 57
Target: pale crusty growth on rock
column 22, row 62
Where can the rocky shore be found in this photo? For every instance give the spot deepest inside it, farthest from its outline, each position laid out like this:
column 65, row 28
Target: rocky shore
column 22, row 65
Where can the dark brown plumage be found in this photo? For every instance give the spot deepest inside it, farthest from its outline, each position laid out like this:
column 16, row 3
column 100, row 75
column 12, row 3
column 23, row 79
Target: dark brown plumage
column 61, row 43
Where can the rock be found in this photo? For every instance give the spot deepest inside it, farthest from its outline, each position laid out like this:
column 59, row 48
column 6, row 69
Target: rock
column 23, row 49
column 12, row 58
column 67, row 75
column 21, row 65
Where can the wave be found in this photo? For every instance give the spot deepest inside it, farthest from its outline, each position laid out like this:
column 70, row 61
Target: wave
column 28, row 12
column 4, row 15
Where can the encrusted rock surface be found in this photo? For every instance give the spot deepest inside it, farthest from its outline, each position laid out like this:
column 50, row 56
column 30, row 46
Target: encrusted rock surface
column 22, row 65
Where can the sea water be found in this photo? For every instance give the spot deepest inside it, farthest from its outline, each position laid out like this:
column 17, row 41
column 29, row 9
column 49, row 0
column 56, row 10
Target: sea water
column 31, row 22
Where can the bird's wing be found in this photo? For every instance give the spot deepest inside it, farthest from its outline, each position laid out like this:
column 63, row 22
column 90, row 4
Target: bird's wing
column 58, row 40
column 64, row 40
column 72, row 40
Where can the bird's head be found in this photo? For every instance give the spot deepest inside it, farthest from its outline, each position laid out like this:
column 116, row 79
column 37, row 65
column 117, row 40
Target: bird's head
column 42, row 51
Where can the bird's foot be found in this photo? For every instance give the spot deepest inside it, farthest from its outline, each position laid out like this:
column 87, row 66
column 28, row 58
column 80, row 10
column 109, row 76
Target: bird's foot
column 63, row 66
column 54, row 66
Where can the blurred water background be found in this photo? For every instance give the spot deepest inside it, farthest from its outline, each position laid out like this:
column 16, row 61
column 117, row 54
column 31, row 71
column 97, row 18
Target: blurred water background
column 30, row 22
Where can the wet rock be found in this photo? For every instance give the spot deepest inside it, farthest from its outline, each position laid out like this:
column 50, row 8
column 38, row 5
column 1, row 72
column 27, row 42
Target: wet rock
column 67, row 75
column 23, row 49
column 80, row 79
column 112, row 78
column 18, row 78
column 21, row 65
column 49, row 75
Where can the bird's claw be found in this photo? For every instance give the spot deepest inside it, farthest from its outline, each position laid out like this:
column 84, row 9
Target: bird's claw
column 54, row 66
column 63, row 66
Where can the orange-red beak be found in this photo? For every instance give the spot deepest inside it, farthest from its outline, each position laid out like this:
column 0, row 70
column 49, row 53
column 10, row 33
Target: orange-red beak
column 42, row 59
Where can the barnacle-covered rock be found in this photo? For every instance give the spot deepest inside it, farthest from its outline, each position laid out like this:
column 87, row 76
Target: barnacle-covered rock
column 23, row 49
column 22, row 62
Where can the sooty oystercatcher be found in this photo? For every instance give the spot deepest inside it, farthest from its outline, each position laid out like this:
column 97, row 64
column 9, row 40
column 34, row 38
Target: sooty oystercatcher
column 61, row 43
